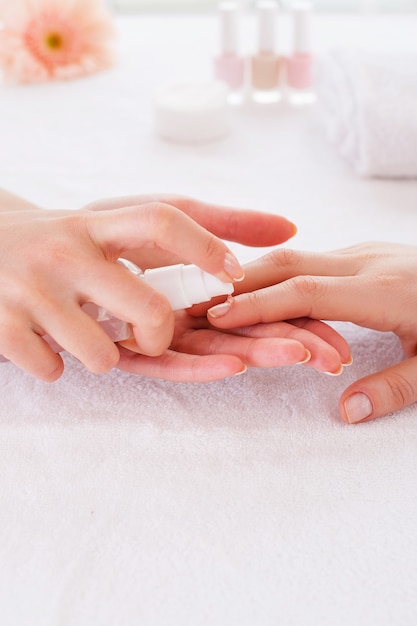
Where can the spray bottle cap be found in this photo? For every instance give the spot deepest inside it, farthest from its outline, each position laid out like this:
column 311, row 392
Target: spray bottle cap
column 185, row 285
column 228, row 33
column 182, row 285
column 267, row 10
column 301, row 13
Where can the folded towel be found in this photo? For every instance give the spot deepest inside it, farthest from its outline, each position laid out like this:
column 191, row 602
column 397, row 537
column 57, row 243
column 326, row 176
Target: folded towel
column 369, row 105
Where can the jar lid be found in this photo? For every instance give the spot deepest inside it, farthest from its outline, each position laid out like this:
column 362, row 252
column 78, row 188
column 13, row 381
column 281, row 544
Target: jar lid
column 192, row 112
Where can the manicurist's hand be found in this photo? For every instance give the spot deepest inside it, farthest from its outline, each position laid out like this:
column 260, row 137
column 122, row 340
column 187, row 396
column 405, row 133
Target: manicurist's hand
column 53, row 262
column 247, row 227
column 373, row 285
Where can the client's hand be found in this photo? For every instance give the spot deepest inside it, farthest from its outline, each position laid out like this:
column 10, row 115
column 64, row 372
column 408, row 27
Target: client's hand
column 373, row 285
column 199, row 352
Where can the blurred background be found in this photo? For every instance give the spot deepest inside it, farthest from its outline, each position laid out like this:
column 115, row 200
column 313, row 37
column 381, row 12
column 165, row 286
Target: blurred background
column 321, row 5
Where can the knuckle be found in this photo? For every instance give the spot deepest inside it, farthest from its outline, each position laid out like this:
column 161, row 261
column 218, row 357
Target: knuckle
column 104, row 359
column 211, row 247
column 364, row 253
column 369, row 253
column 401, row 390
column 158, row 311
column 12, row 337
column 76, row 223
column 284, row 258
column 307, row 286
column 383, row 282
column 254, row 301
column 159, row 216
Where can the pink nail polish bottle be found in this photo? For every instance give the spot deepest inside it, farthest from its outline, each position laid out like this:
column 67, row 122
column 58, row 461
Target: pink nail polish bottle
column 300, row 63
column 229, row 66
column 266, row 66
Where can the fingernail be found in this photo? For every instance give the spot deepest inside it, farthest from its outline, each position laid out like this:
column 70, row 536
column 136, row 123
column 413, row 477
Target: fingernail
column 337, row 372
column 221, row 309
column 241, row 371
column 358, row 407
column 306, row 358
column 348, row 362
column 233, row 267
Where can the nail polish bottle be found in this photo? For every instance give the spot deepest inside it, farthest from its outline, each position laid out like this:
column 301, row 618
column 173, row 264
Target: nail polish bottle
column 229, row 66
column 266, row 66
column 300, row 63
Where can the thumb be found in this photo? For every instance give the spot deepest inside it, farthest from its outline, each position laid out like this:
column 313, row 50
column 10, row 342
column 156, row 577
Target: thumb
column 379, row 394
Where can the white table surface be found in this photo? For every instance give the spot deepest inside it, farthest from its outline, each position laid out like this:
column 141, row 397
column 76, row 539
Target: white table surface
column 127, row 501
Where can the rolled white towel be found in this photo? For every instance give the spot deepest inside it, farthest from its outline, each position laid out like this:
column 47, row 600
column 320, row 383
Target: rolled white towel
column 369, row 105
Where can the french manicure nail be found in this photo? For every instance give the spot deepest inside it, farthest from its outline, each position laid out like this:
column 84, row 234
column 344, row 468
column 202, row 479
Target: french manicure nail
column 358, row 407
column 221, row 309
column 348, row 362
column 306, row 358
column 337, row 372
column 233, row 267
column 241, row 371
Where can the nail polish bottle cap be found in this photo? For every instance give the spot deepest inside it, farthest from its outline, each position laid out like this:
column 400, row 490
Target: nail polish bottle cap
column 185, row 285
column 267, row 10
column 228, row 35
column 301, row 14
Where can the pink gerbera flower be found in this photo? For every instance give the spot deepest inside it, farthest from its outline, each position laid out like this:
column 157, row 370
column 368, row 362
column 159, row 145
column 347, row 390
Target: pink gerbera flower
column 54, row 39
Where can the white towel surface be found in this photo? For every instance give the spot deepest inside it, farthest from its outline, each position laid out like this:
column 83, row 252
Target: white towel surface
column 127, row 501
column 369, row 103
column 134, row 501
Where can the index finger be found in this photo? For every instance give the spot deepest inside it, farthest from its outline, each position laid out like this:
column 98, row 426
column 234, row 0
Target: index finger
column 247, row 227
column 317, row 297
column 162, row 226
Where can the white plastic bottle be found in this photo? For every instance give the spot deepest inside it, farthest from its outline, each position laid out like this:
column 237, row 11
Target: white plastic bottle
column 182, row 285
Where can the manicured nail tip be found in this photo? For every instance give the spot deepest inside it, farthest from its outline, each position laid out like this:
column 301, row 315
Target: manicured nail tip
column 306, row 358
column 233, row 267
column 294, row 229
column 348, row 362
column 337, row 373
column 241, row 371
column 220, row 309
column 358, row 408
